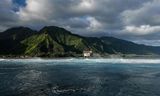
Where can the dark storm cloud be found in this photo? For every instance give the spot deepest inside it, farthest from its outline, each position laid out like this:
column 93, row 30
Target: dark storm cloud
column 7, row 16
column 126, row 19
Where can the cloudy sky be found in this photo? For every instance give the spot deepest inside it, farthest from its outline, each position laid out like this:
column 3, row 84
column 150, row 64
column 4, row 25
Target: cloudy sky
column 134, row 20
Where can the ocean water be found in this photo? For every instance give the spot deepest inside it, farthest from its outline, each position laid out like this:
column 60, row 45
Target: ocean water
column 79, row 77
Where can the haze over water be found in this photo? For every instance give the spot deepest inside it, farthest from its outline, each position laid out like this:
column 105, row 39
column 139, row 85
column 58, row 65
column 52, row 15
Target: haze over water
column 79, row 77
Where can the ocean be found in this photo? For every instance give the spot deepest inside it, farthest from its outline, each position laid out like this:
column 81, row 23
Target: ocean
column 79, row 77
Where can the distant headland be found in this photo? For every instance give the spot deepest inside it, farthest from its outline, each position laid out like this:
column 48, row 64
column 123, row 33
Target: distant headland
column 53, row 41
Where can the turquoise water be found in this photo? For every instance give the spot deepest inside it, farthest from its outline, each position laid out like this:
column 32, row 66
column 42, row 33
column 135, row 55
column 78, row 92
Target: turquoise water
column 80, row 77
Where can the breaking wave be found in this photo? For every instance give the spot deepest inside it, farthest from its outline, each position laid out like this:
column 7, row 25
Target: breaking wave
column 82, row 60
column 2, row 59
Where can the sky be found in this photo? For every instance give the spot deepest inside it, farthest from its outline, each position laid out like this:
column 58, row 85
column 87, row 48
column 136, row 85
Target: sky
column 134, row 20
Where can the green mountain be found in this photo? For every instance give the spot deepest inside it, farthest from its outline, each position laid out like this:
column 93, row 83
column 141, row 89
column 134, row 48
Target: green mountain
column 11, row 38
column 127, row 47
column 52, row 41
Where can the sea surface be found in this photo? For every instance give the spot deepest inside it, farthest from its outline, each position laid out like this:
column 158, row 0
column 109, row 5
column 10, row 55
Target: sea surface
column 79, row 77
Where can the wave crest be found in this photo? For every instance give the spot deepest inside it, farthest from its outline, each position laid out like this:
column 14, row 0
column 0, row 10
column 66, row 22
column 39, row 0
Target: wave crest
column 101, row 60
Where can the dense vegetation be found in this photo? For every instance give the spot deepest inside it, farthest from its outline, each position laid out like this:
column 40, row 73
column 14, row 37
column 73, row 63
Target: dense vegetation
column 54, row 41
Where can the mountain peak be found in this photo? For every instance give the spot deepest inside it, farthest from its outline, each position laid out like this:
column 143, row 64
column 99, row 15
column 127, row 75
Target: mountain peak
column 17, row 33
column 20, row 28
column 54, row 29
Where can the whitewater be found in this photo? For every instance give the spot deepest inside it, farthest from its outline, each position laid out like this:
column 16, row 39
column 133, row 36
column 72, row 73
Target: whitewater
column 87, row 60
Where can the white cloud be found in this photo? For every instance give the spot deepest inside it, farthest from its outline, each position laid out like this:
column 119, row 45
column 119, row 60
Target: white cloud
column 148, row 42
column 142, row 30
column 136, row 18
column 147, row 14
column 63, row 12
column 94, row 25
column 36, row 10
column 85, row 6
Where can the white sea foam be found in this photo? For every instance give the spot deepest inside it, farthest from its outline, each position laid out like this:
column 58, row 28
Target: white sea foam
column 2, row 59
column 81, row 60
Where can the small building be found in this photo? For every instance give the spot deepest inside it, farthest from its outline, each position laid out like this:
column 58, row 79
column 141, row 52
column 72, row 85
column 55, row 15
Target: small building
column 87, row 53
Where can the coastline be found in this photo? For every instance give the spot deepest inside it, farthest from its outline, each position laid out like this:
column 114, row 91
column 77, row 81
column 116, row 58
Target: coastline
column 84, row 61
column 92, row 57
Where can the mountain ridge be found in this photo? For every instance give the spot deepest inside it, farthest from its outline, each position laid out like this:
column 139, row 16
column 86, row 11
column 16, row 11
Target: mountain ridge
column 53, row 41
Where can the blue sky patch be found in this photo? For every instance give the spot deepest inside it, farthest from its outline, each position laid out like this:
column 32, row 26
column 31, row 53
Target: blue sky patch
column 18, row 4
